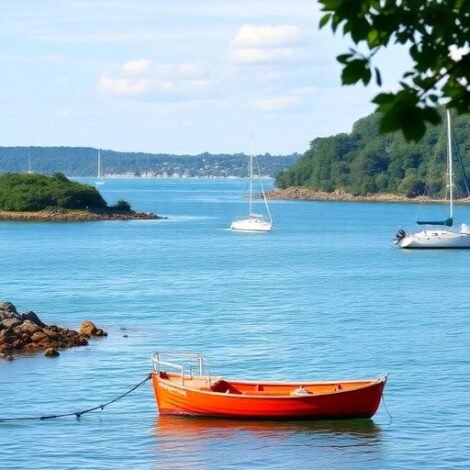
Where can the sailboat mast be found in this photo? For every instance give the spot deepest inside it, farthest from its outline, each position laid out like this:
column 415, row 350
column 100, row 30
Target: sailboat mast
column 450, row 166
column 250, row 175
column 99, row 163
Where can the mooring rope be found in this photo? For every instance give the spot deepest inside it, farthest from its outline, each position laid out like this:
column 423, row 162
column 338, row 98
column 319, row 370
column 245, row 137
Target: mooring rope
column 78, row 414
column 386, row 409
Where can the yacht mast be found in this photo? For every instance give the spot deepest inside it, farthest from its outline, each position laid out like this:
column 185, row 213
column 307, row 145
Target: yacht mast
column 450, row 169
column 250, row 175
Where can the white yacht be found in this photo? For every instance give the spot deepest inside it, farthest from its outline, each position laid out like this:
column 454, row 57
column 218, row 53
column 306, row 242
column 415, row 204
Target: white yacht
column 439, row 233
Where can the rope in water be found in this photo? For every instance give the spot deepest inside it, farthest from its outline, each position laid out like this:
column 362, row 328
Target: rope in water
column 386, row 409
column 78, row 414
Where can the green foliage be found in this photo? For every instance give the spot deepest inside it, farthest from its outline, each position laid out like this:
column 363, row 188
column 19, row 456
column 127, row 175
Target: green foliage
column 35, row 192
column 428, row 29
column 122, row 205
column 367, row 162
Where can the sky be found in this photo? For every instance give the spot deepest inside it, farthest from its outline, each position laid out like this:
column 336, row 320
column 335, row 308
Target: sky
column 176, row 76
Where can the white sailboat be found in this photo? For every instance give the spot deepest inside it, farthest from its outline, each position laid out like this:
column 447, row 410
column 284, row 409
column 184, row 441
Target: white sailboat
column 253, row 222
column 439, row 234
column 99, row 176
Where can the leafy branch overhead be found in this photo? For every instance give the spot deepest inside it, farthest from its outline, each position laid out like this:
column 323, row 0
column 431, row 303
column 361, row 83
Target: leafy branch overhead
column 437, row 35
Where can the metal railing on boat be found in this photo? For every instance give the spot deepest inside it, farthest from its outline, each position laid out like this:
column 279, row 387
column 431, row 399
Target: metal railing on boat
column 201, row 362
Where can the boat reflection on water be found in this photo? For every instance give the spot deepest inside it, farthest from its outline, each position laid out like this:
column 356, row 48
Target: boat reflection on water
column 200, row 429
column 196, row 442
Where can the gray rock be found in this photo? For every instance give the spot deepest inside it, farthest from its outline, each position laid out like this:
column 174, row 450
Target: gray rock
column 29, row 327
column 8, row 310
column 31, row 316
column 11, row 322
column 38, row 336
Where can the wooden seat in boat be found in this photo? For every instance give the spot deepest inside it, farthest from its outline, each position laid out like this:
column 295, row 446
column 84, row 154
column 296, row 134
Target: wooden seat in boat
column 222, row 386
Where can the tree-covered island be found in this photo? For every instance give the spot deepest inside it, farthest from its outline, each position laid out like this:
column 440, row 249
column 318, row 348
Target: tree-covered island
column 365, row 164
column 40, row 197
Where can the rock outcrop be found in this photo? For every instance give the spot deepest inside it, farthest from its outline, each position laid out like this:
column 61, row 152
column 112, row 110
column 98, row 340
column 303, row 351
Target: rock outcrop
column 88, row 328
column 63, row 215
column 305, row 194
column 26, row 332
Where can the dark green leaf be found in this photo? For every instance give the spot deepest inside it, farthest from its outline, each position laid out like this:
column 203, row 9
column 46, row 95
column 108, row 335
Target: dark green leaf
column 431, row 115
column 384, row 99
column 354, row 71
column 344, row 58
column 324, row 20
column 366, row 76
column 378, row 77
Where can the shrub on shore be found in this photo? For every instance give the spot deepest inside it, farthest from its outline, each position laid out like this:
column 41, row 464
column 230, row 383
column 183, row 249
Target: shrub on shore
column 122, row 205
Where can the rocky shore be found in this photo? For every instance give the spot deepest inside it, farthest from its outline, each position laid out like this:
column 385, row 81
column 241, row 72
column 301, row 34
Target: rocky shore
column 26, row 332
column 304, row 194
column 63, row 215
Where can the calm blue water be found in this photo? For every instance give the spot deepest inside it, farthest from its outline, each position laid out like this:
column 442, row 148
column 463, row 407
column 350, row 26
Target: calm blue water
column 323, row 296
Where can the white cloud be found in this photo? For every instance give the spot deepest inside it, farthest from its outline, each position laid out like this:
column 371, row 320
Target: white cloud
column 189, row 70
column 124, row 86
column 264, row 56
column 142, row 78
column 136, row 67
column 305, row 91
column 276, row 103
column 267, row 44
column 267, row 36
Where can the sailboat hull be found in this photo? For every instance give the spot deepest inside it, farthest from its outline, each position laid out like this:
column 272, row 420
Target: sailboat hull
column 251, row 224
column 437, row 239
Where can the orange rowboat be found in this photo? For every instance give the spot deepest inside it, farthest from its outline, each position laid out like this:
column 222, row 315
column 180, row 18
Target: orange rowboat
column 184, row 392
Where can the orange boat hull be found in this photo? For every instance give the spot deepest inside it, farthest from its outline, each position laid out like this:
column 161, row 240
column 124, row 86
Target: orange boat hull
column 276, row 400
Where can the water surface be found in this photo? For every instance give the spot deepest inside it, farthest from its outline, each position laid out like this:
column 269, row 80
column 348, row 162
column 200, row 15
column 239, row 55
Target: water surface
column 325, row 295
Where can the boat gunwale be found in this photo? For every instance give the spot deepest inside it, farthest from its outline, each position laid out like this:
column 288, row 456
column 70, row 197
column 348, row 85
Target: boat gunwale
column 365, row 383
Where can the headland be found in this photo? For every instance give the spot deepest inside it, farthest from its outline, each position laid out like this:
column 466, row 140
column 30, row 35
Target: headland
column 305, row 194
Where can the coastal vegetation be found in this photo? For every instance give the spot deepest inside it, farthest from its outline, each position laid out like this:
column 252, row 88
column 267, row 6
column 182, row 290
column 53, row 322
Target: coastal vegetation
column 366, row 162
column 35, row 192
column 82, row 161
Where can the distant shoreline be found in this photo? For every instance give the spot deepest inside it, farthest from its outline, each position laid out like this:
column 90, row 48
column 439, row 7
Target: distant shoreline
column 160, row 177
column 304, row 194
column 62, row 215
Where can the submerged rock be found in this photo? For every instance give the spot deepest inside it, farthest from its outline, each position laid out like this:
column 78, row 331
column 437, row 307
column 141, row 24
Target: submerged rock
column 89, row 328
column 51, row 352
column 27, row 332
